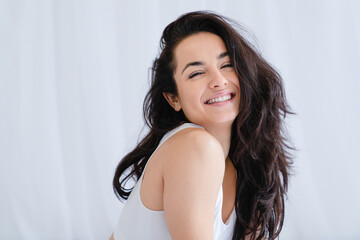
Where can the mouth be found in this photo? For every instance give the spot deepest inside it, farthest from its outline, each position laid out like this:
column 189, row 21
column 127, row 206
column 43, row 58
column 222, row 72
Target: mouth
column 223, row 98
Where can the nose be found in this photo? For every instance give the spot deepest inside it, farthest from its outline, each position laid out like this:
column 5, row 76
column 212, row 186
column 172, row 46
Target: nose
column 217, row 80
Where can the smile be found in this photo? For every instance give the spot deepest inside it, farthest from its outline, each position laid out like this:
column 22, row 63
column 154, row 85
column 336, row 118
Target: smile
column 220, row 99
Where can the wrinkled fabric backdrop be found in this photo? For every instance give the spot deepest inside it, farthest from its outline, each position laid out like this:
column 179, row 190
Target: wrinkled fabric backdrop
column 73, row 75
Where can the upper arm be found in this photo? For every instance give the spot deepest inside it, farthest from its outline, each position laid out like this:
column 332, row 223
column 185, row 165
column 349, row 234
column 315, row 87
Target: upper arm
column 193, row 173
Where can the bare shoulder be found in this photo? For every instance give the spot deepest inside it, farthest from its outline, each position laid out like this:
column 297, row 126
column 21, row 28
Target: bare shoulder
column 193, row 147
column 193, row 170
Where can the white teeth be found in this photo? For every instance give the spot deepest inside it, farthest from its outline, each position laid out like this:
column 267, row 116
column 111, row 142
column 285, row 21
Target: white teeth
column 220, row 99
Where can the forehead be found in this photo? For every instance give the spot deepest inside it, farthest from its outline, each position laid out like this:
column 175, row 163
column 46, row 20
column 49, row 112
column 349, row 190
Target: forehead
column 198, row 47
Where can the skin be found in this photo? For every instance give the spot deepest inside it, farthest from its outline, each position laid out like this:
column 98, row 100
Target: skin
column 197, row 169
column 199, row 83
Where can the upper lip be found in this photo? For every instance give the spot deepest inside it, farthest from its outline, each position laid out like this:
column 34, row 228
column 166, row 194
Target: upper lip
column 220, row 94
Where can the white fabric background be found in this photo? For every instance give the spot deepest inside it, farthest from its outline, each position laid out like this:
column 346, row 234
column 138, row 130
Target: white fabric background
column 73, row 75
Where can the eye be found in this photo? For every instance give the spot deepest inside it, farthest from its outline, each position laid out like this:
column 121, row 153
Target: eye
column 227, row 65
column 195, row 74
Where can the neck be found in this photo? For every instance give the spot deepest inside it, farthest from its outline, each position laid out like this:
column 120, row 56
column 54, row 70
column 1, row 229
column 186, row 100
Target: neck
column 222, row 132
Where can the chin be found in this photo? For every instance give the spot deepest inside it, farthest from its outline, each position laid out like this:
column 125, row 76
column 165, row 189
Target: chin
column 226, row 121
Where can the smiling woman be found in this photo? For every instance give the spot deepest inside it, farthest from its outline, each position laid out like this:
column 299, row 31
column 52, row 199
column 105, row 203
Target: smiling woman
column 208, row 90
column 215, row 162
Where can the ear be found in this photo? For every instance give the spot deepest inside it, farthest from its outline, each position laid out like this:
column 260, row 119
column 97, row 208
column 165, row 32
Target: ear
column 173, row 101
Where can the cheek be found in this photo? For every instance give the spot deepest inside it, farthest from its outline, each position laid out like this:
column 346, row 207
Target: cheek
column 187, row 98
column 234, row 79
column 189, row 93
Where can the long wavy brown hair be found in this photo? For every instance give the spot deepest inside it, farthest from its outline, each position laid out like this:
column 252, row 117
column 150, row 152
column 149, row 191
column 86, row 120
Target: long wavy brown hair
column 259, row 146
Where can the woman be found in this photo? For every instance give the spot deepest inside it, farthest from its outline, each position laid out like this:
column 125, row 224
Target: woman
column 214, row 164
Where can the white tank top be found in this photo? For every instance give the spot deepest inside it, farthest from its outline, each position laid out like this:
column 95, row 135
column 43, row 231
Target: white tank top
column 138, row 222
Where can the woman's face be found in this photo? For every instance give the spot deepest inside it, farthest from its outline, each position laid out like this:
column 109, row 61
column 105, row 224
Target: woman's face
column 207, row 84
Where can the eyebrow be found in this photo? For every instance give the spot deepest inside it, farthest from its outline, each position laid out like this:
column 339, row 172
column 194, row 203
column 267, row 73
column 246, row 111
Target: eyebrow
column 197, row 63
